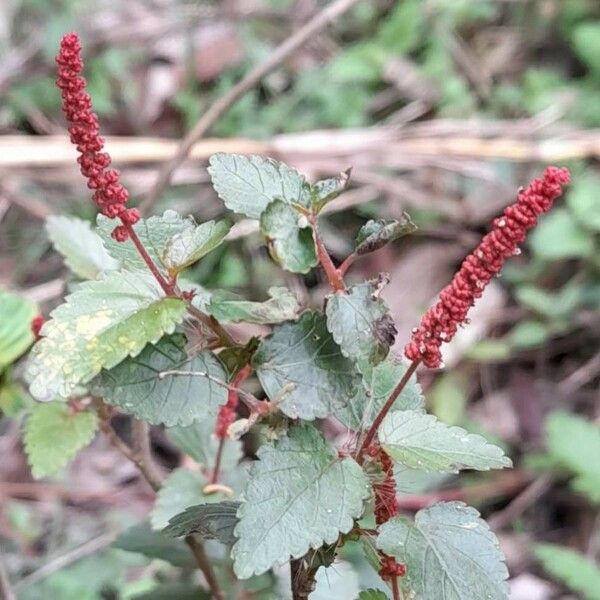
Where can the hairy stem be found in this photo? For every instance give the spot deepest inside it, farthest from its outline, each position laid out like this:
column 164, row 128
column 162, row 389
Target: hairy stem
column 204, row 564
column 214, row 478
column 396, row 593
column 302, row 579
column 336, row 281
column 347, row 264
column 385, row 409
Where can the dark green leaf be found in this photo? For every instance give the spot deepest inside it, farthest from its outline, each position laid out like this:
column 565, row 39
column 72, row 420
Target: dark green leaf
column 211, row 521
column 282, row 306
column 191, row 244
column 449, row 553
column 326, row 190
column 420, row 441
column 54, row 434
column 99, row 325
column 247, row 184
column 82, row 248
column 372, row 595
column 375, row 234
column 360, row 323
column 141, row 539
column 302, row 367
column 289, row 237
column 300, row 495
column 136, row 387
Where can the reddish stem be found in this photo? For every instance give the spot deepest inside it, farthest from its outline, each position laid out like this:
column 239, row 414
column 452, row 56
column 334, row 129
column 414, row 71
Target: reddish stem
column 385, row 409
column 167, row 287
column 395, row 589
column 336, row 281
column 214, row 478
column 347, row 264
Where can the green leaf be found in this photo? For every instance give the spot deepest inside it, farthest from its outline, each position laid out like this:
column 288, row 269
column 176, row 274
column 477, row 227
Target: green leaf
column 155, row 234
column 171, row 590
column 420, row 441
column 181, row 489
column 553, row 305
column 586, row 43
column 584, row 200
column 211, row 521
column 528, row 334
column 558, row 235
column 575, row 570
column 82, row 248
column 449, row 553
column 13, row 399
column 99, row 325
column 375, row 234
column 54, row 434
column 326, row 190
column 191, row 244
column 15, row 327
column 582, row 457
column 337, row 581
column 135, row 386
column 282, row 306
column 141, row 539
column 372, row 595
column 200, row 443
column 289, row 237
column 360, row 323
column 300, row 495
column 247, row 184
column 302, row 367
column 378, row 384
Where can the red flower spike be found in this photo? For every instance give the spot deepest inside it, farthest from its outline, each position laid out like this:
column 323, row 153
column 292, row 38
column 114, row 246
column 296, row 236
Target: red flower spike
column 36, row 326
column 110, row 196
column 386, row 504
column 390, row 568
column 440, row 322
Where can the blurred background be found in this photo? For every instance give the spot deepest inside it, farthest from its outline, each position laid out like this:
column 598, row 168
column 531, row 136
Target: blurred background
column 442, row 108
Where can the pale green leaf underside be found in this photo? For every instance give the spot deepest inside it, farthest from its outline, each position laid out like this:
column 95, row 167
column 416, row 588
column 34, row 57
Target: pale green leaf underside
column 135, row 386
column 247, row 184
column 420, row 441
column 302, row 366
column 155, row 234
column 300, row 495
column 211, row 521
column 289, row 237
column 82, row 248
column 16, row 314
column 99, row 325
column 575, row 570
column 183, row 488
column 54, row 434
column 449, row 553
column 199, row 442
column 191, row 244
column 583, row 457
column 281, row 306
column 361, row 324
column 378, row 384
column 326, row 190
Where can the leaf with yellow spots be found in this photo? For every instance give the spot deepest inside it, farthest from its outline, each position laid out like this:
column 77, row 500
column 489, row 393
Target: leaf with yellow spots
column 54, row 433
column 98, row 326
